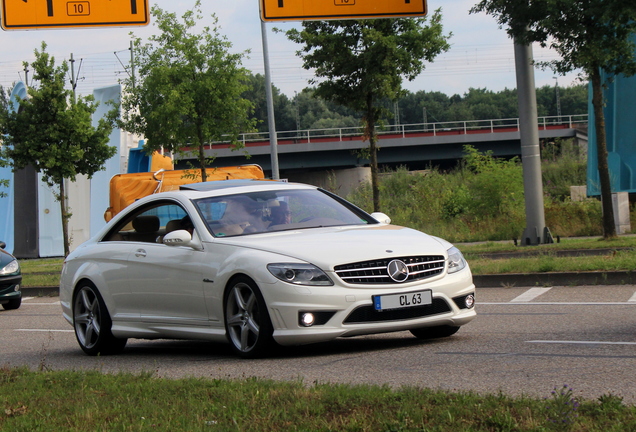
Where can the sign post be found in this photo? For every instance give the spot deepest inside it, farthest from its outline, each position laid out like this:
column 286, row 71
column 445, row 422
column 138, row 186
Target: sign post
column 301, row 10
column 49, row 14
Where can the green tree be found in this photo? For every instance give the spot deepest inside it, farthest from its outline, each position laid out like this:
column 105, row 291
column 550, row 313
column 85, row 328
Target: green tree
column 315, row 112
column 360, row 62
column 574, row 99
column 596, row 37
column 53, row 132
column 188, row 89
column 4, row 103
column 284, row 112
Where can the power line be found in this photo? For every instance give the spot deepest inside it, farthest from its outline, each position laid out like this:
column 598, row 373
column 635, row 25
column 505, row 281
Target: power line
column 104, row 68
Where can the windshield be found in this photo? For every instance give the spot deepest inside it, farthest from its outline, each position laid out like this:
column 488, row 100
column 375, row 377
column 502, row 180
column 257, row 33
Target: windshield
column 267, row 211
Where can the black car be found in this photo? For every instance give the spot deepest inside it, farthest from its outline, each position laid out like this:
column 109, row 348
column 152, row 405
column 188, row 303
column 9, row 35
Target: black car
column 10, row 280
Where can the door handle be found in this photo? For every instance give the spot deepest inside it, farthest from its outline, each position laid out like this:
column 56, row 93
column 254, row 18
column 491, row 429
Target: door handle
column 140, row 253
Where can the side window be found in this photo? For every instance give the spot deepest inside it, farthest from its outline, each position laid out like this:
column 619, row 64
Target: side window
column 148, row 224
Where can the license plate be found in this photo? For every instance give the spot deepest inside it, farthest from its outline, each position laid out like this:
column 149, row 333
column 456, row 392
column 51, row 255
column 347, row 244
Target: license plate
column 406, row 300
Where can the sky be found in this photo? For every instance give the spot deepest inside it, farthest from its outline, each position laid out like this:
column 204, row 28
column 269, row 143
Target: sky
column 481, row 54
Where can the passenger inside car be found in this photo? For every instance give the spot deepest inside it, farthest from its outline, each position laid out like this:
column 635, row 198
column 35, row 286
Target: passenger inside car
column 280, row 214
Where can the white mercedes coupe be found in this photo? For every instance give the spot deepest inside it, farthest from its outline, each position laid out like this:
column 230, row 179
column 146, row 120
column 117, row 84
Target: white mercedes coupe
column 259, row 263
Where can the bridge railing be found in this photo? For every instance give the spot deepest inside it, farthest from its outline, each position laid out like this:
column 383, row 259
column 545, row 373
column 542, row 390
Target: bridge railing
column 433, row 129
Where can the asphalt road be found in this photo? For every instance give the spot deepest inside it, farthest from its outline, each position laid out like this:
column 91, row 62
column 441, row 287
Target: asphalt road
column 524, row 341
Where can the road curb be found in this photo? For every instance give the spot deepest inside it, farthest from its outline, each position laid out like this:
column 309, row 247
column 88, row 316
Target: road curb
column 555, row 279
column 40, row 291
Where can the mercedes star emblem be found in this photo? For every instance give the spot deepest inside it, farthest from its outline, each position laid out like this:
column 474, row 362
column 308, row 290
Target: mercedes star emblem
column 398, row 271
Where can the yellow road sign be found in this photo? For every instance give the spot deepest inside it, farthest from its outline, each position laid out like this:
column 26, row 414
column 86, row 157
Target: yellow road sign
column 47, row 14
column 300, row 10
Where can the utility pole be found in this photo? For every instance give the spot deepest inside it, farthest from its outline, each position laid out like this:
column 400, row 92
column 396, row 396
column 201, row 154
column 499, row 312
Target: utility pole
column 425, row 118
column 26, row 74
column 73, row 82
column 132, row 64
column 536, row 232
column 271, row 122
column 396, row 113
column 297, row 112
column 558, row 99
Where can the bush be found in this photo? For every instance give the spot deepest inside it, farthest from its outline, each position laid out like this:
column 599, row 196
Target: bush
column 482, row 199
column 574, row 219
column 563, row 166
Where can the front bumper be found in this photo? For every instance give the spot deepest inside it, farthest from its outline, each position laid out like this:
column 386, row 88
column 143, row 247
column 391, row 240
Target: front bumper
column 10, row 288
column 344, row 311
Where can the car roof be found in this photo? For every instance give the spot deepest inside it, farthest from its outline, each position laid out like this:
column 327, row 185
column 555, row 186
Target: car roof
column 220, row 184
column 227, row 187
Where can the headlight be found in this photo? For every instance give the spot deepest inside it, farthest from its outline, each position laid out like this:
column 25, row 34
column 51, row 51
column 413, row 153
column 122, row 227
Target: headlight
column 299, row 274
column 456, row 261
column 12, row 267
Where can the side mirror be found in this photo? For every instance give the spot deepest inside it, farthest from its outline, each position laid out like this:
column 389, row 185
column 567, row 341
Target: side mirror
column 2, row 245
column 182, row 238
column 381, row 217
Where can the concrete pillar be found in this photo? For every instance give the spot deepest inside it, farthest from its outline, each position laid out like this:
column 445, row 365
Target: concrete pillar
column 620, row 204
column 339, row 181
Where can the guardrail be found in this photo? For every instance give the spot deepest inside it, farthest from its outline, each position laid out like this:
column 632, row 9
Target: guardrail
column 433, row 129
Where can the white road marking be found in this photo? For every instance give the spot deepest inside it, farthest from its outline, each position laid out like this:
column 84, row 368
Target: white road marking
column 530, row 295
column 558, row 303
column 581, row 342
column 36, row 304
column 632, row 299
column 44, row 330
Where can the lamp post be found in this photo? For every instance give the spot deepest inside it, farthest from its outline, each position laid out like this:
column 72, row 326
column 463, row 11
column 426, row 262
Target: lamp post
column 558, row 99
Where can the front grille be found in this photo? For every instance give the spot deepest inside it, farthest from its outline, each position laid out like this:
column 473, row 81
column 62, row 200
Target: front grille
column 375, row 272
column 368, row 314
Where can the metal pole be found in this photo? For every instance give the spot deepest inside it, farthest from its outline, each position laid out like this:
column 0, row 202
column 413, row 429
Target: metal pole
column 271, row 121
column 73, row 83
column 558, row 99
column 536, row 232
column 132, row 64
column 425, row 118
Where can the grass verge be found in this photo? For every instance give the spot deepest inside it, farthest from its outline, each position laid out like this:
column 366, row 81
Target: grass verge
column 41, row 272
column 614, row 261
column 564, row 244
column 88, row 400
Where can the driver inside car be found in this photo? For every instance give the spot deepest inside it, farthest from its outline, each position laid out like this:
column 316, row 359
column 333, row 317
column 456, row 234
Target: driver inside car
column 280, row 214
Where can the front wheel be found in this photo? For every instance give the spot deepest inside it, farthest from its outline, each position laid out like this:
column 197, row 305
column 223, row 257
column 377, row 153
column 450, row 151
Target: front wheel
column 434, row 332
column 92, row 323
column 247, row 324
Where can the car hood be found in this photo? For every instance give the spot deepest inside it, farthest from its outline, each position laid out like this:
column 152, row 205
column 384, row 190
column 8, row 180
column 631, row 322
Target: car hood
column 5, row 258
column 331, row 246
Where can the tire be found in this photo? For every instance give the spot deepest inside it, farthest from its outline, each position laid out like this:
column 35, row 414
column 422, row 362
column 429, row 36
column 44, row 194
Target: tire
column 247, row 324
column 12, row 304
column 434, row 332
column 92, row 323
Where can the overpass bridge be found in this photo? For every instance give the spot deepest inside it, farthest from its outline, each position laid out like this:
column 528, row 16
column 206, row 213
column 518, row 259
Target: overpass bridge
column 417, row 146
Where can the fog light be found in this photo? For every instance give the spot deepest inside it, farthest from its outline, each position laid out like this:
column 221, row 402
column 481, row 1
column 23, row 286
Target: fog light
column 470, row 301
column 307, row 319
column 17, row 287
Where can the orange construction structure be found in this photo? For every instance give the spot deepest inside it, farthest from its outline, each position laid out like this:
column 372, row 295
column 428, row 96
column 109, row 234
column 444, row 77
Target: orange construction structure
column 127, row 188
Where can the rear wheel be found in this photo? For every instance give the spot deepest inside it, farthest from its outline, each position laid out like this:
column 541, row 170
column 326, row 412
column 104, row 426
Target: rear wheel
column 434, row 332
column 12, row 304
column 92, row 323
column 247, row 322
